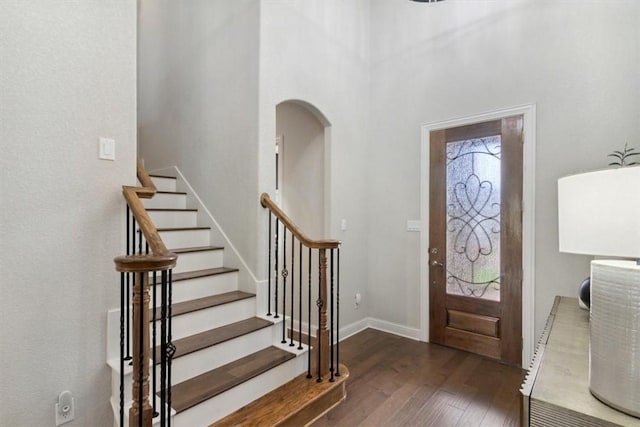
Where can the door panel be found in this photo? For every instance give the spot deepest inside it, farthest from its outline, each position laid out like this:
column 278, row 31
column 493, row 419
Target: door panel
column 475, row 243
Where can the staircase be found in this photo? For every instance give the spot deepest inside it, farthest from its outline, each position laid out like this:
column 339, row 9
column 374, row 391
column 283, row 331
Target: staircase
column 226, row 355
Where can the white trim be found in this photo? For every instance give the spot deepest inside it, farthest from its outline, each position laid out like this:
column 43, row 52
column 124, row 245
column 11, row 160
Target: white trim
column 394, row 328
column 217, row 225
column 380, row 325
column 528, row 219
column 353, row 328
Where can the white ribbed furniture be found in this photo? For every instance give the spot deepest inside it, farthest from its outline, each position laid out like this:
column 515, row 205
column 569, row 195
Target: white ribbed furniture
column 556, row 390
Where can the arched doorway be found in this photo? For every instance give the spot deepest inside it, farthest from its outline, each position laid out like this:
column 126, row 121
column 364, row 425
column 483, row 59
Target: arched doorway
column 301, row 132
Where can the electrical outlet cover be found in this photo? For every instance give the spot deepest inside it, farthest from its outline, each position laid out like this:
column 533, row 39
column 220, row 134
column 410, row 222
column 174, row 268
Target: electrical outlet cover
column 65, row 414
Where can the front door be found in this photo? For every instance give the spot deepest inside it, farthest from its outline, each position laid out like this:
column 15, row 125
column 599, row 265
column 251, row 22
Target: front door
column 475, row 238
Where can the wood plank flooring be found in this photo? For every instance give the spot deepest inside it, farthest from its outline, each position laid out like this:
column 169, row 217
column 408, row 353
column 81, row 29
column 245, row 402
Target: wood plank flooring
column 396, row 381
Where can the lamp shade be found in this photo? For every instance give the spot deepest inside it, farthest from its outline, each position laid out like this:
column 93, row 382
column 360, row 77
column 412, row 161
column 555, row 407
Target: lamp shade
column 599, row 213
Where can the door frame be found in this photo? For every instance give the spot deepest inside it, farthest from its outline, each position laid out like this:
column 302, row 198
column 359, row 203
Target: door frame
column 528, row 111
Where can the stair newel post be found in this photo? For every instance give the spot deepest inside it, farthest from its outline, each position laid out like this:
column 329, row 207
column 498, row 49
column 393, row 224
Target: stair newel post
column 141, row 412
column 322, row 335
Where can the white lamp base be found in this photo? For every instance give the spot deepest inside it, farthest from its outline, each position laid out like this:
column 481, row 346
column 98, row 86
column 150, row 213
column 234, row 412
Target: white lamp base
column 614, row 354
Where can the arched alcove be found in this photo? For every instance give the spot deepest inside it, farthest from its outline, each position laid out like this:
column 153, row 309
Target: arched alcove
column 301, row 133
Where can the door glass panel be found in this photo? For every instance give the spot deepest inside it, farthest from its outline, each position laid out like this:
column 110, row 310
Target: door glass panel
column 473, row 218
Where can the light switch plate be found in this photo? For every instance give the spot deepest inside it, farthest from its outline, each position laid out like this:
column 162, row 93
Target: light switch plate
column 107, row 148
column 414, row 225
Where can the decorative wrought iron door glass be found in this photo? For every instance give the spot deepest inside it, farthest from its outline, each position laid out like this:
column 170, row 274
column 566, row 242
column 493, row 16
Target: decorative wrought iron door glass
column 473, row 217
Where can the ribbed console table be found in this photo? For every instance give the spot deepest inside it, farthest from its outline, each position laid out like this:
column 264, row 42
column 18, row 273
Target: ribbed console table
column 556, row 389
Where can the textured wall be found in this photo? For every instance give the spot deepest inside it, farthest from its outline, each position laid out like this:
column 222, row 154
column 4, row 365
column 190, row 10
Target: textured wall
column 433, row 62
column 317, row 51
column 198, row 104
column 67, row 77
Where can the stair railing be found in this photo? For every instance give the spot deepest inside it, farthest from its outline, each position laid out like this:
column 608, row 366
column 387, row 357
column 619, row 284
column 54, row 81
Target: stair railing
column 285, row 296
column 146, row 255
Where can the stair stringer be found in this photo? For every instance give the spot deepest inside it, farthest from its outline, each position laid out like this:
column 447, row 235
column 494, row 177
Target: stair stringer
column 248, row 281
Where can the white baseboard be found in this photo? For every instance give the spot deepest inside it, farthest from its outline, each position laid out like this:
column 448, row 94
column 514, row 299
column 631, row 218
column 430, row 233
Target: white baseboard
column 381, row 325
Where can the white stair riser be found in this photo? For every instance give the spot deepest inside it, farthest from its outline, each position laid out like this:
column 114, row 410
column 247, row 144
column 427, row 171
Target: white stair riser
column 210, row 318
column 201, row 361
column 164, row 184
column 185, row 290
column 185, row 238
column 196, row 363
column 166, row 201
column 167, row 219
column 235, row 398
column 201, row 260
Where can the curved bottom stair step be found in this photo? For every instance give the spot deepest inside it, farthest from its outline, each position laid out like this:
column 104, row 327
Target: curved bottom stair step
column 210, row 384
column 296, row 403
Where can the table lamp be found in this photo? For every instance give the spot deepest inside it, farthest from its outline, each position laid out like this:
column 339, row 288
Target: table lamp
column 599, row 214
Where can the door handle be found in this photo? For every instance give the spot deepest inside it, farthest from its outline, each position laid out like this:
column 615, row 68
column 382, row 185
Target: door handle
column 437, row 264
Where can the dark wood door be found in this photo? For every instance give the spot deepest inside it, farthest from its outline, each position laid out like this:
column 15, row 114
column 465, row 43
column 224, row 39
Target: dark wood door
column 475, row 238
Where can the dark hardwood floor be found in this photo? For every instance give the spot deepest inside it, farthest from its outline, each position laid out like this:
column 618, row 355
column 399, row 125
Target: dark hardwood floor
column 396, row 381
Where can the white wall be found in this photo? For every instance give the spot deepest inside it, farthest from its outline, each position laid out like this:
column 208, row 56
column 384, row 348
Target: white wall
column 198, row 92
column 302, row 163
column 67, row 77
column 317, row 51
column 579, row 62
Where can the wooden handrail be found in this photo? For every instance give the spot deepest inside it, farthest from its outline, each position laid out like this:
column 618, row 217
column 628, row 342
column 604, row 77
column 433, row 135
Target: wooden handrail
column 140, row 265
column 322, row 345
column 267, row 203
column 133, row 195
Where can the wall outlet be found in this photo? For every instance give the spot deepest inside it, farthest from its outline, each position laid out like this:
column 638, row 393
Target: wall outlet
column 358, row 299
column 65, row 408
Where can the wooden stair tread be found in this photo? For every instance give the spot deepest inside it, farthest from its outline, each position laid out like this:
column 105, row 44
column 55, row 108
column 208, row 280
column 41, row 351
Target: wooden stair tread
column 205, row 302
column 172, row 210
column 177, row 277
column 171, row 192
column 196, row 249
column 183, row 228
column 154, row 175
column 209, row 384
column 295, row 403
column 215, row 336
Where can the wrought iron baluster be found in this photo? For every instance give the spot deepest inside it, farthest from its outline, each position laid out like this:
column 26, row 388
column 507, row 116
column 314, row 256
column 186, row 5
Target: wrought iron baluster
column 269, row 271
column 275, row 267
column 300, row 299
column 285, row 273
column 338, row 314
column 154, row 333
column 331, row 379
column 319, row 305
column 171, row 349
column 140, row 350
column 309, row 320
column 293, row 279
column 122, row 336
column 163, row 348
